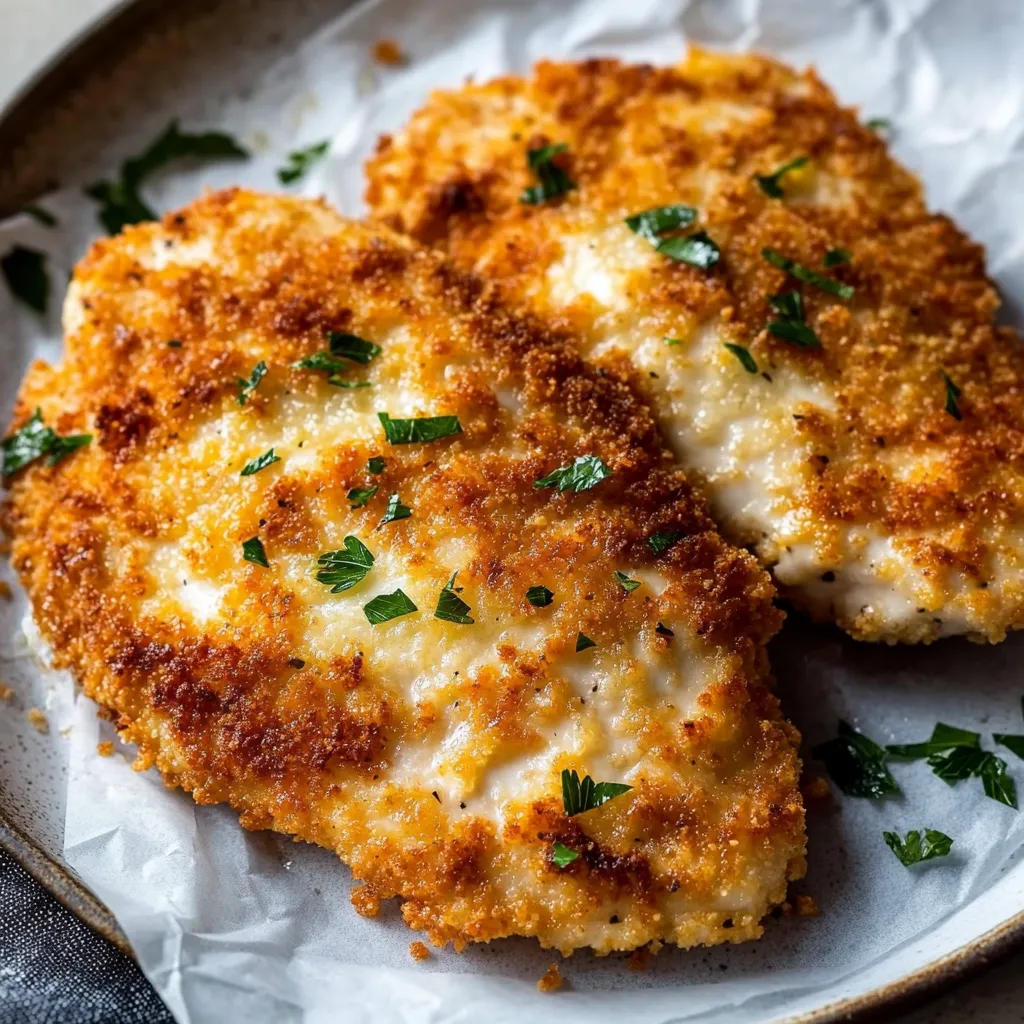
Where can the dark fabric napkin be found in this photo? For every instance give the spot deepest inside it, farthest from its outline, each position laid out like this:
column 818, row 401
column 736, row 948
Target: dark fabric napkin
column 54, row 969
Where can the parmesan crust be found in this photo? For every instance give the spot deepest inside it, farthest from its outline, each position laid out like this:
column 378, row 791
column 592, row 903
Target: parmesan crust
column 426, row 753
column 839, row 465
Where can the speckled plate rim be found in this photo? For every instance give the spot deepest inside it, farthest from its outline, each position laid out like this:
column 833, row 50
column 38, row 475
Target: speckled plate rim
column 120, row 27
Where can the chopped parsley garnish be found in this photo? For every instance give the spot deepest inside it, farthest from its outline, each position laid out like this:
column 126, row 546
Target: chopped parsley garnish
column 583, row 642
column 120, row 201
column 743, row 355
column 913, row 850
column 802, row 273
column 672, row 341
column 247, row 387
column 697, row 249
column 268, row 458
column 359, row 496
column 385, row 607
column 837, row 257
column 300, row 160
column 422, row 429
column 653, row 223
column 450, row 606
column 351, row 346
column 24, row 271
column 342, row 346
column 344, row 568
column 583, row 473
column 39, row 214
column 578, row 796
column 253, row 551
column 34, row 440
column 769, row 183
column 625, row 582
column 375, row 464
column 544, row 162
column 879, row 124
column 944, row 737
column 563, row 856
column 952, row 396
column 662, row 630
column 322, row 361
column 791, row 325
column 1014, row 743
column 395, row 510
column 174, row 343
column 661, row 540
column 856, row 764
column 539, row 597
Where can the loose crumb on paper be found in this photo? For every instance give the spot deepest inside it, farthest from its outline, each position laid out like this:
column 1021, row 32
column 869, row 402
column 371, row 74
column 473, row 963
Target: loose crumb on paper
column 38, row 718
column 817, row 794
column 806, row 906
column 389, row 53
column 418, row 951
column 105, row 749
column 5, row 590
column 551, row 981
column 6, row 693
column 638, row 959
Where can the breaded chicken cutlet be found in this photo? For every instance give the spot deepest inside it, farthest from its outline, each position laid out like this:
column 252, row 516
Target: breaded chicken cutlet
column 819, row 348
column 342, row 543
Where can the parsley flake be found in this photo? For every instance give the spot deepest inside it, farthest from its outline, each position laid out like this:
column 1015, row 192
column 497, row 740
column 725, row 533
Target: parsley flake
column 660, row 541
column 539, row 597
column 40, row 215
column 583, row 473
column 343, row 569
column 837, row 257
column 395, row 510
column 913, row 850
column 247, row 387
column 268, row 458
column 300, row 161
column 33, row 441
column 253, row 551
column 653, row 223
column 554, row 181
column 952, row 395
column 352, row 347
column 880, row 125
column 375, row 464
column 24, row 271
column 578, row 797
column 450, row 606
column 791, row 325
column 385, row 607
column 563, row 856
column 769, row 183
column 802, row 273
column 583, row 642
column 856, row 764
column 419, row 430
column 743, row 355
column 359, row 496
column 625, row 582
column 698, row 250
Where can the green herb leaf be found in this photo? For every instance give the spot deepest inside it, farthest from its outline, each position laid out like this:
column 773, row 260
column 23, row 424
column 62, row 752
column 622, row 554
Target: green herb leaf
column 1014, row 743
column 662, row 630
column 351, row 346
column 341, row 382
column 879, row 124
column 743, row 355
column 344, row 568
column 802, row 273
column 578, row 797
column 450, row 606
column 359, row 496
column 385, row 607
column 120, row 201
column 660, row 541
column 583, row 473
column 322, row 361
column 952, row 395
column 625, row 582
column 794, row 332
column 33, row 441
column 553, row 180
column 268, row 458
column 672, row 341
column 769, row 183
column 39, row 214
column 247, row 387
column 395, row 510
column 583, row 642
column 913, row 851
column 539, row 597
column 856, row 764
column 253, row 551
column 563, row 856
column 174, row 343
column 300, row 160
column 653, row 223
column 943, row 737
column 24, row 271
column 416, row 431
column 837, row 257
column 697, row 249
column 375, row 464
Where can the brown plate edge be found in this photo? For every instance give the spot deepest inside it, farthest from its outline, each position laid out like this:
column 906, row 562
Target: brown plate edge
column 49, row 84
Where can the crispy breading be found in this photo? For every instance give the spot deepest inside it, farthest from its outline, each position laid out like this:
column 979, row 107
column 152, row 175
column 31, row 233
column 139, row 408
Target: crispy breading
column 839, row 465
column 426, row 753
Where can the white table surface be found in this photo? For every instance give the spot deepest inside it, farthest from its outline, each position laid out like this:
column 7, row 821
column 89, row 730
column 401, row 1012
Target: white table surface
column 33, row 31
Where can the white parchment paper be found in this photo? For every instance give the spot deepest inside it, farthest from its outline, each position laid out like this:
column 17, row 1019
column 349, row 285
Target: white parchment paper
column 236, row 926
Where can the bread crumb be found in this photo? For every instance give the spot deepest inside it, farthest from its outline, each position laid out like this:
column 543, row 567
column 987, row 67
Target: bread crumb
column 817, row 794
column 6, row 693
column 105, row 749
column 389, row 53
column 638, row 959
column 5, row 548
column 5, row 590
column 39, row 720
column 552, row 980
column 418, row 951
column 806, row 906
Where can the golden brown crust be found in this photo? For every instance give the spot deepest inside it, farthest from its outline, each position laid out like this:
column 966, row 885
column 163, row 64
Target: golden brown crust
column 284, row 702
column 640, row 137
